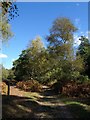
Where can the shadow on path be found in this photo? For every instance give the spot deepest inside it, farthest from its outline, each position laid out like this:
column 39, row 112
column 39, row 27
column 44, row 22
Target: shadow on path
column 46, row 106
column 23, row 107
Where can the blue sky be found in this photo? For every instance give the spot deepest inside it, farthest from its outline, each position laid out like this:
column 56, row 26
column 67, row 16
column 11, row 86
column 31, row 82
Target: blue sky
column 36, row 19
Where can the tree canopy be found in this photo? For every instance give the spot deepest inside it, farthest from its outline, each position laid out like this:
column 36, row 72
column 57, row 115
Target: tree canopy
column 56, row 62
column 84, row 52
column 8, row 10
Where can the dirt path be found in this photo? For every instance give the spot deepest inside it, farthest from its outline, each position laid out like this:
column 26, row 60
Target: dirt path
column 17, row 92
column 34, row 105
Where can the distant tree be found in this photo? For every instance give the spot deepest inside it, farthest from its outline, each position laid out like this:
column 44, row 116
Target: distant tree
column 60, row 46
column 61, row 32
column 84, row 52
column 56, row 62
column 21, row 66
column 61, row 37
column 11, row 75
column 5, row 72
column 29, row 65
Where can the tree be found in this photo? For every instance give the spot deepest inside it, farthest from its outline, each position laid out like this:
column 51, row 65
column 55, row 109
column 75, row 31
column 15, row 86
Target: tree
column 56, row 62
column 64, row 66
column 60, row 45
column 11, row 75
column 5, row 73
column 84, row 52
column 21, row 66
column 5, row 31
column 8, row 10
column 29, row 65
column 61, row 31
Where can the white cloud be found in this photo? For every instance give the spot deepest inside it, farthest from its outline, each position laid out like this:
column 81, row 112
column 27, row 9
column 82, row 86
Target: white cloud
column 14, row 59
column 84, row 34
column 3, row 55
column 76, row 40
column 87, row 34
column 78, row 36
column 81, row 32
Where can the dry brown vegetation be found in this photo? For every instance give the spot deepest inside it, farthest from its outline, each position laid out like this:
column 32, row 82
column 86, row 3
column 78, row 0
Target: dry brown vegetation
column 30, row 85
column 77, row 90
column 3, row 87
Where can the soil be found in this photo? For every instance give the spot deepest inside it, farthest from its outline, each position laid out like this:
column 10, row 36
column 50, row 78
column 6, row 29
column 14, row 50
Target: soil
column 21, row 104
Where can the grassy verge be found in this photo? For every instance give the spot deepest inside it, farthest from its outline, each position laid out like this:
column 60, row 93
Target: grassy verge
column 79, row 108
column 32, row 95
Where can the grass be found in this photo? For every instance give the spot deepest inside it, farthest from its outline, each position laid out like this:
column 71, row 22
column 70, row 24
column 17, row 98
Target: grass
column 28, row 105
column 33, row 95
column 79, row 108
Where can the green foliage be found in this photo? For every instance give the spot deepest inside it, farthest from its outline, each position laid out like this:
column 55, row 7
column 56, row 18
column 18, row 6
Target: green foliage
column 11, row 75
column 5, row 73
column 61, row 50
column 54, row 63
column 61, row 31
column 5, row 31
column 66, row 67
column 84, row 52
column 31, row 63
column 83, row 79
column 8, row 11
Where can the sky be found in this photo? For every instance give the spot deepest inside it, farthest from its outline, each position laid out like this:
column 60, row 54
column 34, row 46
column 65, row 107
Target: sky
column 52, row 0
column 35, row 19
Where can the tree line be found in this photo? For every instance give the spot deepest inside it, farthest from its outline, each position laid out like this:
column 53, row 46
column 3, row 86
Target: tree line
column 57, row 61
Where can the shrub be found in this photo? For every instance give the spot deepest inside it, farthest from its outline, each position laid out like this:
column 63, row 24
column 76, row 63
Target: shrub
column 20, row 85
column 57, row 87
column 74, row 89
column 13, row 82
column 83, row 79
column 30, row 85
column 51, row 83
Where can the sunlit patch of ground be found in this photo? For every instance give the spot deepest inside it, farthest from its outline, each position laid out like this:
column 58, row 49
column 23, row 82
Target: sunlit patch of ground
column 80, row 108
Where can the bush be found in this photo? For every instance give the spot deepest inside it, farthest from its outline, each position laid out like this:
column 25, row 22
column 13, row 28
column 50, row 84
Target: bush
column 83, row 79
column 74, row 89
column 20, row 84
column 51, row 83
column 30, row 85
column 57, row 87
column 13, row 82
